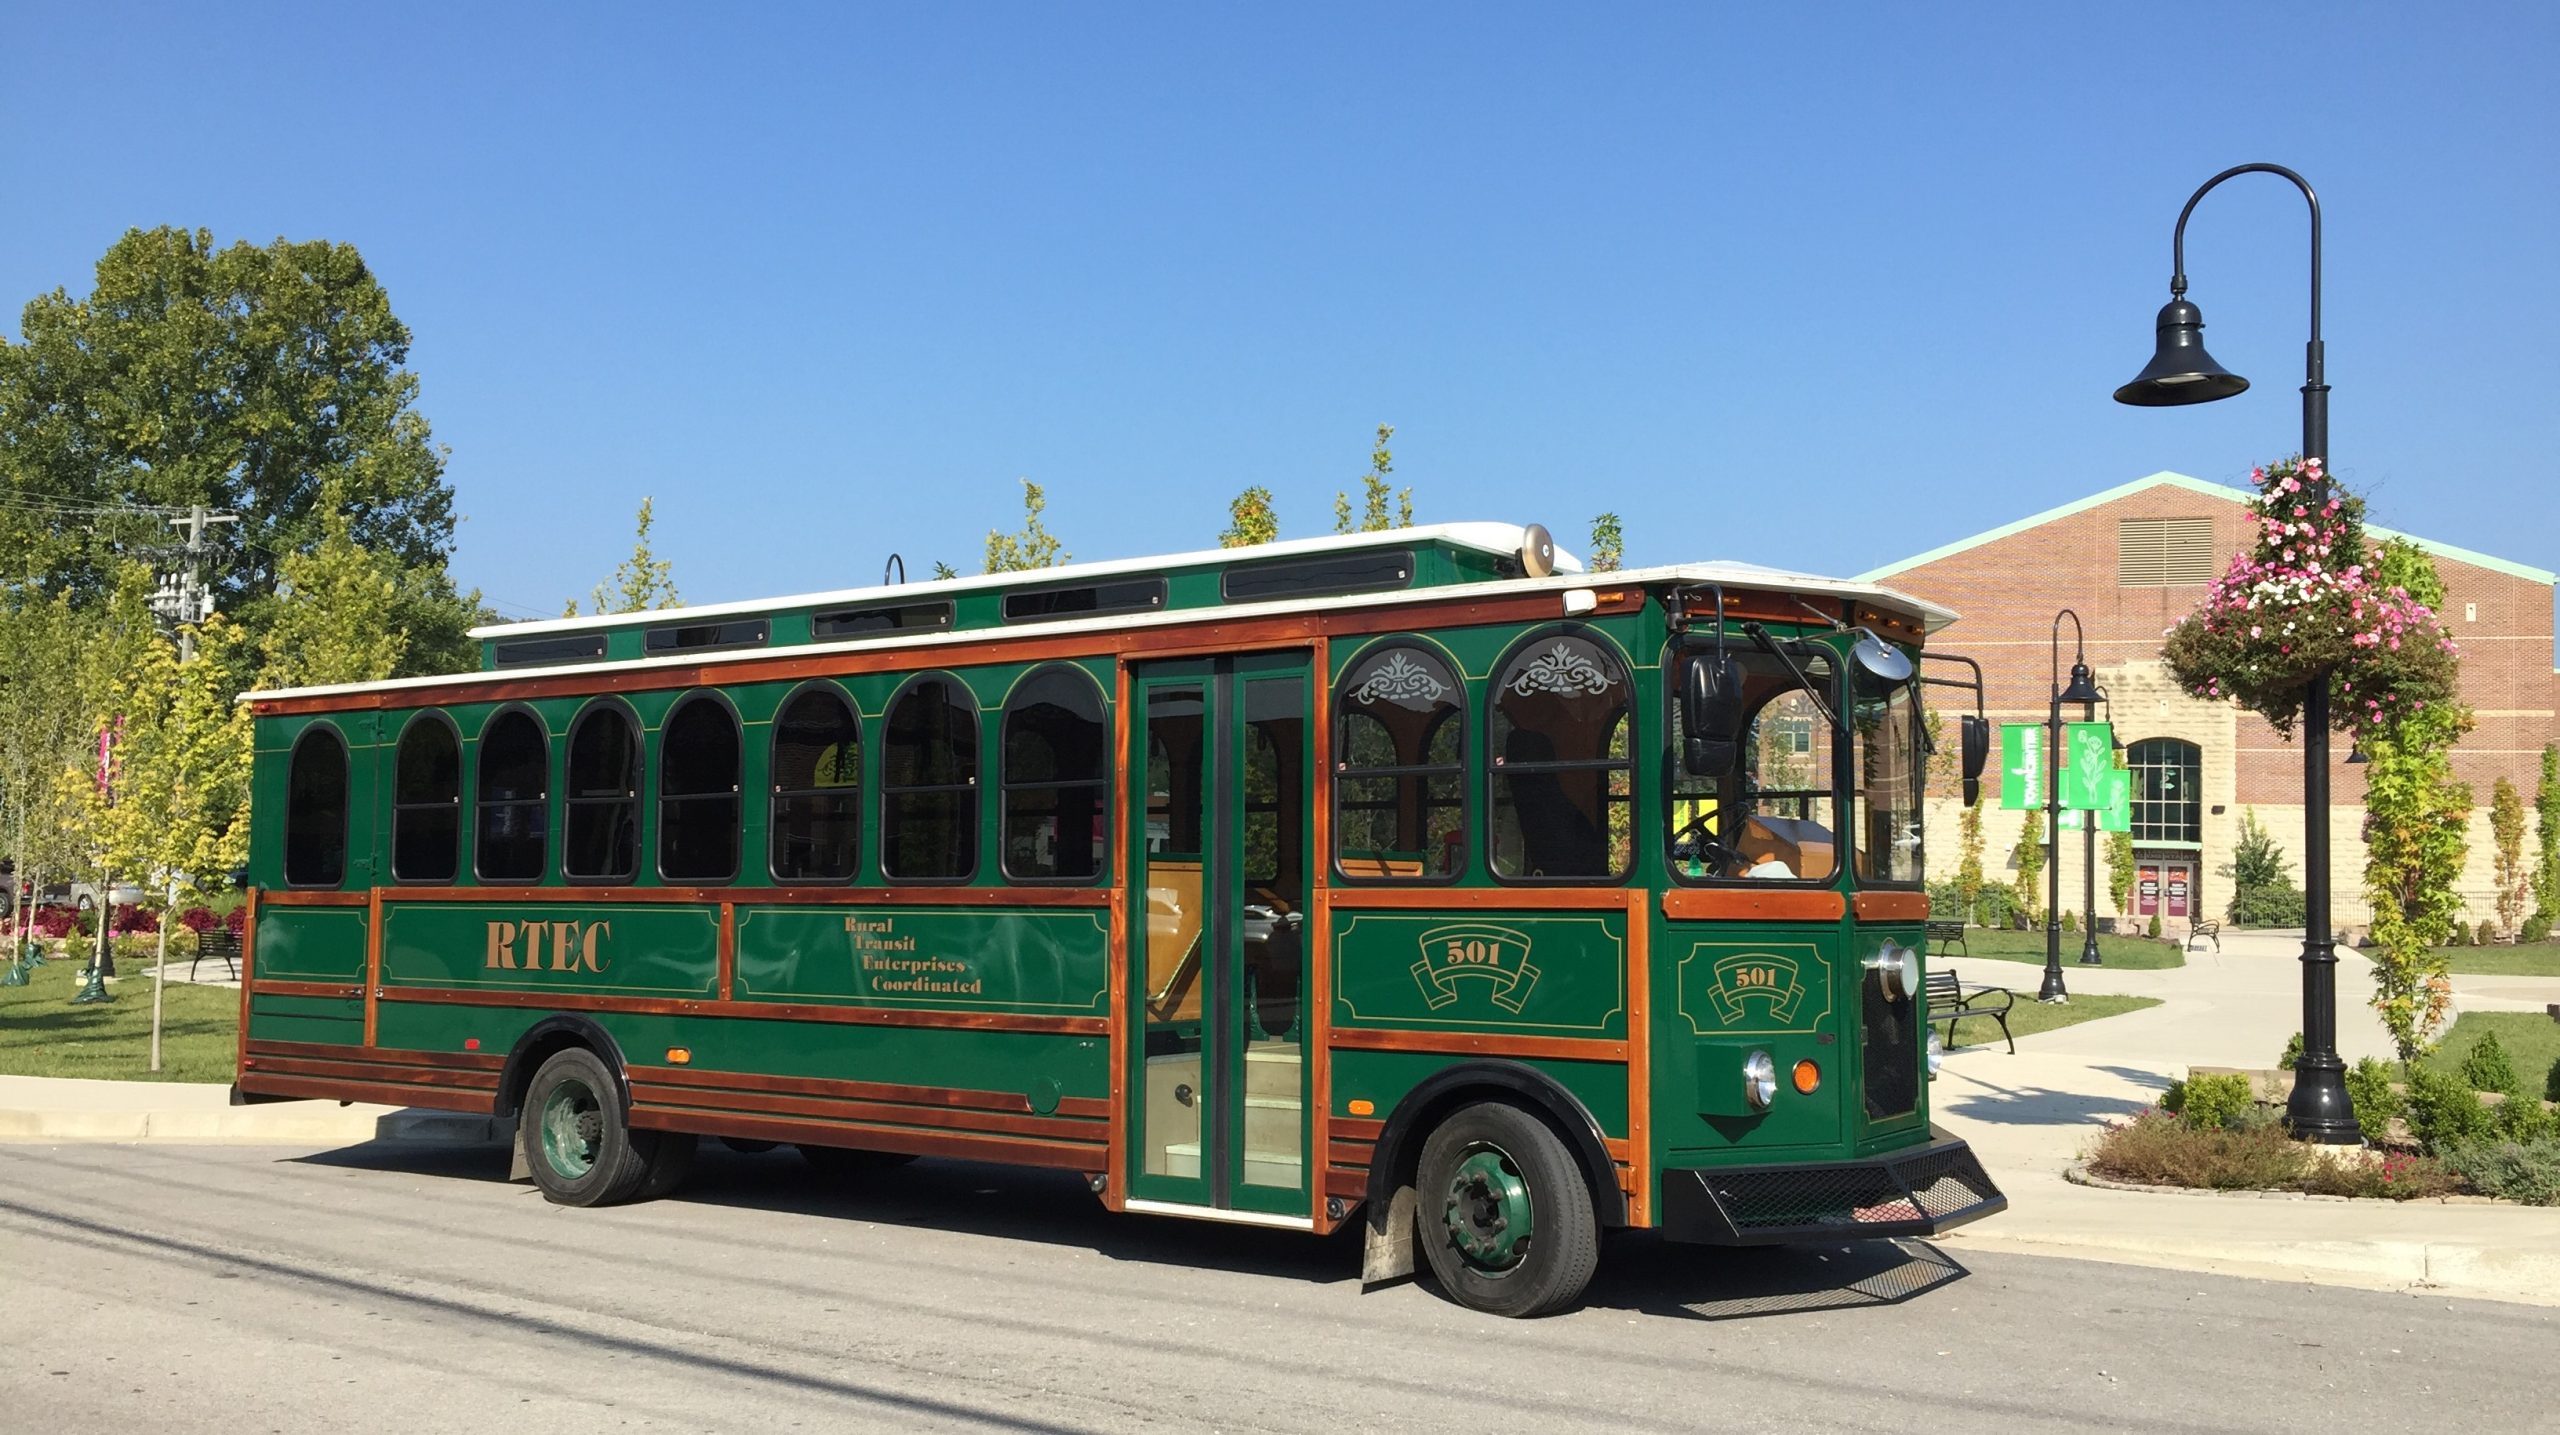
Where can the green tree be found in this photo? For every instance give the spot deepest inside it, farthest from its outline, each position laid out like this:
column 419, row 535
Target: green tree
column 2546, row 834
column 2120, row 871
column 121, row 686
column 1608, row 544
column 247, row 379
column 1381, row 507
column 338, row 614
column 2506, row 832
column 1968, row 859
column 1034, row 547
column 43, row 717
column 2029, row 857
column 2415, row 832
column 1250, row 519
column 2263, row 893
column 644, row 583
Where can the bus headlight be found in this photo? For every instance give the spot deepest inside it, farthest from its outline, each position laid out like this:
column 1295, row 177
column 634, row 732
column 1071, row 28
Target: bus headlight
column 1898, row 967
column 1937, row 1052
column 1759, row 1080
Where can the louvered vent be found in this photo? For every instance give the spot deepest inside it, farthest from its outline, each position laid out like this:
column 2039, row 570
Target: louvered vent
column 2164, row 552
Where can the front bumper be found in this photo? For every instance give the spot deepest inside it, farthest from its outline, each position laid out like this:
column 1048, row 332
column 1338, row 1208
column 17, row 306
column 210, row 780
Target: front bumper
column 1919, row 1191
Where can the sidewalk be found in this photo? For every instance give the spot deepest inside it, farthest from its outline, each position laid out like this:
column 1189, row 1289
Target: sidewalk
column 48, row 1109
column 2031, row 1115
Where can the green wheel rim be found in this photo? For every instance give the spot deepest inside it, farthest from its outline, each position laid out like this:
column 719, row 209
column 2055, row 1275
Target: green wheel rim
column 572, row 1128
column 1487, row 1210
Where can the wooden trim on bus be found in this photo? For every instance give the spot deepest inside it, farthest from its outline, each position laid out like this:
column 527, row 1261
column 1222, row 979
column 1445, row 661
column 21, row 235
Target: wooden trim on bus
column 248, row 977
column 955, row 1145
column 750, row 1010
column 1086, row 1108
column 1891, row 906
column 394, row 1073
column 478, row 1103
column 1482, row 899
column 825, row 1108
column 1478, row 1043
column 387, row 1056
column 1358, row 1128
column 372, row 966
column 1116, row 1044
column 1639, row 1054
column 280, row 987
column 1318, row 989
column 290, row 897
column 725, row 953
column 1743, row 904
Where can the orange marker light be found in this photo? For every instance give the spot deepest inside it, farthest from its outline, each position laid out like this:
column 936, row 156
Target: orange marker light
column 679, row 1056
column 1808, row 1076
column 1363, row 1108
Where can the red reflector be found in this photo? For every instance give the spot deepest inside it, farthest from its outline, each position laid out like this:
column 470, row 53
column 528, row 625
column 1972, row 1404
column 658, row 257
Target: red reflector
column 471, row 1043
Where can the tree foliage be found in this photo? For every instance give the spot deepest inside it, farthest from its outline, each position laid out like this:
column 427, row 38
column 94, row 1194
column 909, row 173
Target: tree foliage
column 2263, row 893
column 1250, row 519
column 2120, row 872
column 251, row 379
column 645, row 582
column 337, row 615
column 1608, row 544
column 1034, row 547
column 2415, row 822
column 1968, row 877
column 43, row 729
column 1381, row 507
column 2546, row 833
column 2506, row 834
column 2029, row 858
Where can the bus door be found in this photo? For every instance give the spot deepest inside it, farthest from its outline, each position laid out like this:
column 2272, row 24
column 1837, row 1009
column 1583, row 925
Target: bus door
column 1220, row 868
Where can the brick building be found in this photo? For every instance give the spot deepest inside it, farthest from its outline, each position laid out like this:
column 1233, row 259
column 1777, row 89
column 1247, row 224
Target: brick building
column 2133, row 560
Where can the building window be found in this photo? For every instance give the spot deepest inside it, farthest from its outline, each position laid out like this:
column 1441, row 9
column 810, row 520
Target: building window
column 1399, row 762
column 315, row 811
column 698, row 809
column 817, row 788
column 2164, row 552
column 426, row 803
column 929, row 783
column 1560, row 778
column 1054, row 778
column 515, row 798
column 600, row 838
column 2168, row 801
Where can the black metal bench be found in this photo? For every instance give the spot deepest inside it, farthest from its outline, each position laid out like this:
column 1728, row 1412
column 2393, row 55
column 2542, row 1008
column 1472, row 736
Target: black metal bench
column 221, row 942
column 1942, row 935
column 1951, row 1001
column 2202, row 931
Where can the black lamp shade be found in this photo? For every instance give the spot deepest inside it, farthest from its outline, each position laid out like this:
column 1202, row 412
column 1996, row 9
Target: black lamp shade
column 2082, row 690
column 2180, row 371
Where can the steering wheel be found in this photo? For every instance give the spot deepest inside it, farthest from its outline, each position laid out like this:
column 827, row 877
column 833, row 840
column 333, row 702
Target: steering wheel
column 1720, row 859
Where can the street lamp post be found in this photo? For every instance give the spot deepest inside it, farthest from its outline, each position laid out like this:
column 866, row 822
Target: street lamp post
column 2084, row 692
column 2181, row 372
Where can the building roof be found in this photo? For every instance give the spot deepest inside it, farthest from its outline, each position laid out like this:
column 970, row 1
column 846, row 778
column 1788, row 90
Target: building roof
column 2211, row 490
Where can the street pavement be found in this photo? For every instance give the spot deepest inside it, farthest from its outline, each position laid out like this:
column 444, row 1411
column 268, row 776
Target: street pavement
column 168, row 1287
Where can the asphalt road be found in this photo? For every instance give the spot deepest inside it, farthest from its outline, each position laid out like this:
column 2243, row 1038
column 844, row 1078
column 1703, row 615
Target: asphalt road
column 166, row 1288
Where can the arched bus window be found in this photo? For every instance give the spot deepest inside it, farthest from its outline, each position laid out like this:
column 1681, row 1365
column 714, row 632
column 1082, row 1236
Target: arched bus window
column 1055, row 777
column 1771, row 816
column 515, row 799
column 1399, row 761
column 929, row 783
column 600, row 836
column 426, row 802
column 1560, row 773
column 698, row 807
column 315, row 810
column 817, row 788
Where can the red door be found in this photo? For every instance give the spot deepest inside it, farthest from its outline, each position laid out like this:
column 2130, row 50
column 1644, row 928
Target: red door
column 2146, row 890
column 2179, row 878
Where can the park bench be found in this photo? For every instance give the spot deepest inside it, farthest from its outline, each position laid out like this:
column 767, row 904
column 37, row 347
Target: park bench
column 1943, row 935
column 2204, row 931
column 220, row 942
column 1951, row 1000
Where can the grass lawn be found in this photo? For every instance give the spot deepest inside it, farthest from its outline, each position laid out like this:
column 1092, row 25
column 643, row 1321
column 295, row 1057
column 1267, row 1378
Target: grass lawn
column 2532, row 1041
column 2525, row 959
column 2030, row 1016
column 43, row 1034
column 2137, row 953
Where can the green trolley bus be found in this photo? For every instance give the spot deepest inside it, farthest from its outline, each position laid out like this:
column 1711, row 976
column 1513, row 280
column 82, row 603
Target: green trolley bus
column 1416, row 879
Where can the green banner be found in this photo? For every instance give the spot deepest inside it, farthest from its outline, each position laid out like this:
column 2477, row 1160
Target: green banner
column 2089, row 759
column 2021, row 766
column 2117, row 815
column 2070, row 820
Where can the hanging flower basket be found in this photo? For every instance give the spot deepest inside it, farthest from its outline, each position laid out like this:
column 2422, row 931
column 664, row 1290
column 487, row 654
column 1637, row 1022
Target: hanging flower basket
column 2305, row 601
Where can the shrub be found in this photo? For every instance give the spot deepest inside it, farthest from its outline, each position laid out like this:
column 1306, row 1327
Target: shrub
column 54, row 921
column 2486, row 1067
column 2154, row 929
column 2376, row 1104
column 136, row 918
column 2444, row 1112
column 2523, row 1118
column 2517, row 1171
column 2387, row 1176
column 2461, row 935
column 1993, row 905
column 2267, row 907
column 2070, row 921
column 199, row 919
column 2212, row 1103
column 2159, row 1150
column 2551, row 1083
column 2536, row 928
column 2292, row 1053
column 238, row 921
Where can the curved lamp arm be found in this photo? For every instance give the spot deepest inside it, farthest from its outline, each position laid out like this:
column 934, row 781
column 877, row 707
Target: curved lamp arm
column 2315, row 383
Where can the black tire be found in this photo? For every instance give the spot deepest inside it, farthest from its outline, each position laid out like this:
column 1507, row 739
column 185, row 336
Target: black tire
column 1502, row 1214
column 841, row 1163
column 669, row 1164
column 574, row 1139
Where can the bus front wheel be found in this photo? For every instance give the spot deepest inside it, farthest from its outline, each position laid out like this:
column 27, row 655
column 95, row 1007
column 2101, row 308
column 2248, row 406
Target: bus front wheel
column 1503, row 1214
column 577, row 1146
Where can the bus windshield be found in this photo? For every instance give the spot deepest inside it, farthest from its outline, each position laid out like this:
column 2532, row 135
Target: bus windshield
column 1772, row 817
column 1885, row 719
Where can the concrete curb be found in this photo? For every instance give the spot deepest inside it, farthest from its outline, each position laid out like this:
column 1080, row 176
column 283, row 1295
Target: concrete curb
column 291, row 1122
column 2079, row 1174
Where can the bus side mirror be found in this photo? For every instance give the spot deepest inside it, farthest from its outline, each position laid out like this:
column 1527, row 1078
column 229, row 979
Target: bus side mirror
column 1976, row 736
column 1711, row 714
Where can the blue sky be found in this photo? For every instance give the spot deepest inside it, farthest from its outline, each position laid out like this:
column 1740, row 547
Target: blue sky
column 1818, row 286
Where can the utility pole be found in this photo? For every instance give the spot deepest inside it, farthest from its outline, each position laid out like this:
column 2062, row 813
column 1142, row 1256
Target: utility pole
column 189, row 600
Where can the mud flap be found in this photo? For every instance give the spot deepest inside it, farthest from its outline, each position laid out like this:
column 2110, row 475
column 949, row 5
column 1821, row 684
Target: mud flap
column 1387, row 1252
column 518, row 1169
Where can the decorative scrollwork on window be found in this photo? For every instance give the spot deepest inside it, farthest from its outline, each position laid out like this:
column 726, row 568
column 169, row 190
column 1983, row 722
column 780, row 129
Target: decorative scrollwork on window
column 1397, row 679
column 1562, row 670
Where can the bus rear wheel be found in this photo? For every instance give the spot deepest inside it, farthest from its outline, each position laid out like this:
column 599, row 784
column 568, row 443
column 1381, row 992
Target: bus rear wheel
column 1505, row 1219
column 576, row 1144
